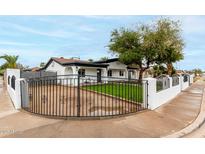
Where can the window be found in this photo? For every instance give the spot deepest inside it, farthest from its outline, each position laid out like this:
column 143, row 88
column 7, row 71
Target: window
column 121, row 73
column 81, row 72
column 185, row 77
column 109, row 73
column 9, row 80
column 13, row 82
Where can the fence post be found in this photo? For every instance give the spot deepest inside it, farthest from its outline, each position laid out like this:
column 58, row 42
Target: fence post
column 151, row 93
column 78, row 97
column 181, row 81
column 24, row 93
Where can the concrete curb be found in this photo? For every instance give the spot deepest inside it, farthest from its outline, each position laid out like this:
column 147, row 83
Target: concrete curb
column 194, row 125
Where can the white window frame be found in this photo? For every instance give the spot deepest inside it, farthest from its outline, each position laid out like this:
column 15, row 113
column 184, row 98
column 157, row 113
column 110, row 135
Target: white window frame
column 121, row 73
column 109, row 73
column 81, row 72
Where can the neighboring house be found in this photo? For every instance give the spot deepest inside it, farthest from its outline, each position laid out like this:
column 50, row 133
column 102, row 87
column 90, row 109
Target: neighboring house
column 34, row 69
column 107, row 68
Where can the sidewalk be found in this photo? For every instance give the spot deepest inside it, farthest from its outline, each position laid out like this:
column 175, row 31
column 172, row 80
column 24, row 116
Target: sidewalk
column 6, row 107
column 167, row 119
column 12, row 120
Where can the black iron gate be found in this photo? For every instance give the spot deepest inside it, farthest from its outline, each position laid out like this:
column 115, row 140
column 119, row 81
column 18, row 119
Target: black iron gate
column 77, row 96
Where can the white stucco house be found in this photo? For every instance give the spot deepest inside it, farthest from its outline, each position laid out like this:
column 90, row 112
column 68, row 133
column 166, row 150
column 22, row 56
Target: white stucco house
column 116, row 69
column 111, row 68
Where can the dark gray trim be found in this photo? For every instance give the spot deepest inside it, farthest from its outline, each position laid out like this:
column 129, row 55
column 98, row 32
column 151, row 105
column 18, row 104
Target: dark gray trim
column 107, row 61
column 87, row 64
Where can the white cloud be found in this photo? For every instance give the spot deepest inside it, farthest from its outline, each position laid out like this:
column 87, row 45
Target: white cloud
column 192, row 24
column 104, row 17
column 87, row 28
column 56, row 33
column 15, row 43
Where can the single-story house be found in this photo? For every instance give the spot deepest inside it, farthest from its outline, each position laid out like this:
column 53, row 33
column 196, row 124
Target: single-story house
column 74, row 66
column 111, row 68
column 118, row 69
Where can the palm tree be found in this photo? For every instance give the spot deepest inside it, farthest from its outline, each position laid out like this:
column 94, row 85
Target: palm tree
column 11, row 62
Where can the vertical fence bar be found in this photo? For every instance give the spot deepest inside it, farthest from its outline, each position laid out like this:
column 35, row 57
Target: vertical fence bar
column 147, row 96
column 97, row 98
column 41, row 94
column 59, row 96
column 53, row 101
column 63, row 96
column 45, row 96
column 56, row 97
column 71, row 81
column 121, row 97
column 37, row 87
column 86, row 98
column 74, row 97
column 101, row 102
column 66, row 97
column 50, row 97
column 82, row 99
column 47, row 102
column 112, row 98
column 78, row 97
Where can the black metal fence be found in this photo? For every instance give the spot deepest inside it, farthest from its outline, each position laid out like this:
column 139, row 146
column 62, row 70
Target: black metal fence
column 75, row 96
column 185, row 77
column 175, row 80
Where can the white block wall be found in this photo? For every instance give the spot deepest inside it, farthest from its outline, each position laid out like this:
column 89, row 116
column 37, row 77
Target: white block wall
column 184, row 85
column 15, row 95
column 156, row 99
column 192, row 78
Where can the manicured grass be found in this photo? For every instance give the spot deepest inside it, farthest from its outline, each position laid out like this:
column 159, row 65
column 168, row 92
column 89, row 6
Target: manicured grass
column 132, row 92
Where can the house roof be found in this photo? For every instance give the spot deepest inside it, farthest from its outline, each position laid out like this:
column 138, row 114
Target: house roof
column 107, row 60
column 116, row 59
column 132, row 67
column 71, row 61
column 34, row 69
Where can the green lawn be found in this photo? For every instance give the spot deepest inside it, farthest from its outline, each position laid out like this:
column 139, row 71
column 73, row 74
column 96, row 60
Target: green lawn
column 133, row 92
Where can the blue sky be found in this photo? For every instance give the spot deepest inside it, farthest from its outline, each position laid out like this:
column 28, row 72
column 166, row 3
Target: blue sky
column 37, row 38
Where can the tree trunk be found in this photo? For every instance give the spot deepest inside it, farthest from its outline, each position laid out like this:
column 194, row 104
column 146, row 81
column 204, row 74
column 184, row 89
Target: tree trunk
column 140, row 74
column 169, row 69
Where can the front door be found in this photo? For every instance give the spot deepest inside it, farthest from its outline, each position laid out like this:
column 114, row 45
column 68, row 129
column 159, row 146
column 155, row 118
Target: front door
column 99, row 72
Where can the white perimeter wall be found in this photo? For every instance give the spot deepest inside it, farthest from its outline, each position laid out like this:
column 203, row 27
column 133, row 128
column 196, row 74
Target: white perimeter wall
column 156, row 99
column 15, row 95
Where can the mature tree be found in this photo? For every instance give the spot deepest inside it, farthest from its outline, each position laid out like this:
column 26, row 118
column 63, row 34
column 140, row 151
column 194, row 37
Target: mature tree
column 135, row 47
column 42, row 64
column 11, row 62
column 197, row 72
column 170, row 43
column 90, row 60
column 159, row 70
column 104, row 58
